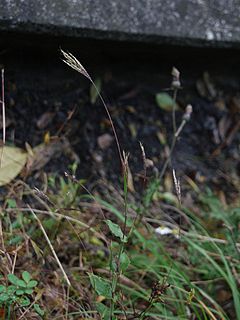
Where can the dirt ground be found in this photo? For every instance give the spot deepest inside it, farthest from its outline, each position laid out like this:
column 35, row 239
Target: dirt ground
column 45, row 98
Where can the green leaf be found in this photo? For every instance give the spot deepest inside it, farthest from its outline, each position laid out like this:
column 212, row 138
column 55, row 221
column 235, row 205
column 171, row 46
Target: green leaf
column 93, row 92
column 11, row 289
column 4, row 297
column 20, row 292
column 124, row 262
column 13, row 279
column 113, row 265
column 103, row 310
column 11, row 203
column 37, row 250
column 13, row 161
column 24, row 301
column 165, row 101
column 15, row 240
column 169, row 197
column 101, row 286
column 116, row 230
column 32, row 284
column 38, row 309
column 28, row 291
column 26, row 276
column 21, row 283
column 2, row 289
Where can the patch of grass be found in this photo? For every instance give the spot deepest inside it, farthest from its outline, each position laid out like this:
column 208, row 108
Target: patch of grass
column 152, row 276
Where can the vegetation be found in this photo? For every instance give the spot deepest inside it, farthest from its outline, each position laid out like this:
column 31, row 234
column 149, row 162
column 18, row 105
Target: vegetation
column 68, row 252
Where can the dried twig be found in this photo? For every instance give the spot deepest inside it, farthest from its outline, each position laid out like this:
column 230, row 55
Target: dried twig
column 3, row 117
column 50, row 246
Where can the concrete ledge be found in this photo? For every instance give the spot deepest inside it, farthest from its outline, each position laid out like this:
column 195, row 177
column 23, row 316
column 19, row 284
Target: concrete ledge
column 186, row 22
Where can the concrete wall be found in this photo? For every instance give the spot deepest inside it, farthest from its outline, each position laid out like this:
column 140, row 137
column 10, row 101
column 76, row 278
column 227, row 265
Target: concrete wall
column 194, row 22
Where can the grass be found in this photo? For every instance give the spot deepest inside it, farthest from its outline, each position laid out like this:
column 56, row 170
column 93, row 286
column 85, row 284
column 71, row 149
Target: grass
column 159, row 277
column 97, row 254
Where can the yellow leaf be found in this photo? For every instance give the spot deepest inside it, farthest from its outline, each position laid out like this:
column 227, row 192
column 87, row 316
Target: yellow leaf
column 46, row 138
column 100, row 298
column 12, row 162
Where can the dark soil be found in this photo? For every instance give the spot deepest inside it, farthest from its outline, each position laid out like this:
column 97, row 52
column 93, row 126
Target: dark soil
column 37, row 81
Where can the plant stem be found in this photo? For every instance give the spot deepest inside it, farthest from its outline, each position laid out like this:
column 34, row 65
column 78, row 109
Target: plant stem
column 116, row 275
column 174, row 110
column 110, row 120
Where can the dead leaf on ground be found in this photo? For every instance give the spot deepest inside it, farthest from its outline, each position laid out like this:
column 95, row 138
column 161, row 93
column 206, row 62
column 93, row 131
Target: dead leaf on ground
column 104, row 141
column 201, row 89
column 45, row 119
column 209, row 85
column 223, row 126
column 161, row 137
column 221, row 104
column 43, row 153
column 168, row 182
column 131, row 109
column 133, row 130
column 13, row 160
column 206, row 87
column 228, row 140
column 234, row 106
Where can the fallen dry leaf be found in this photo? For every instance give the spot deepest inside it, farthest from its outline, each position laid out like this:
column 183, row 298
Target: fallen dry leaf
column 209, row 85
column 13, row 160
column 43, row 153
column 234, row 106
column 161, row 137
column 45, row 120
column 133, row 130
column 206, row 87
column 168, row 182
column 223, row 126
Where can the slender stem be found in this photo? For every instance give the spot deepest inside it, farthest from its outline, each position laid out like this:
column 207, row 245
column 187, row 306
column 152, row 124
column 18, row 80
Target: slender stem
column 125, row 178
column 174, row 140
column 110, row 119
column 3, row 109
column 116, row 275
column 3, row 118
column 174, row 111
column 142, row 314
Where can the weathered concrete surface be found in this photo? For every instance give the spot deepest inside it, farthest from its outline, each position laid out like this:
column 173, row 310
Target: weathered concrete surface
column 195, row 22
